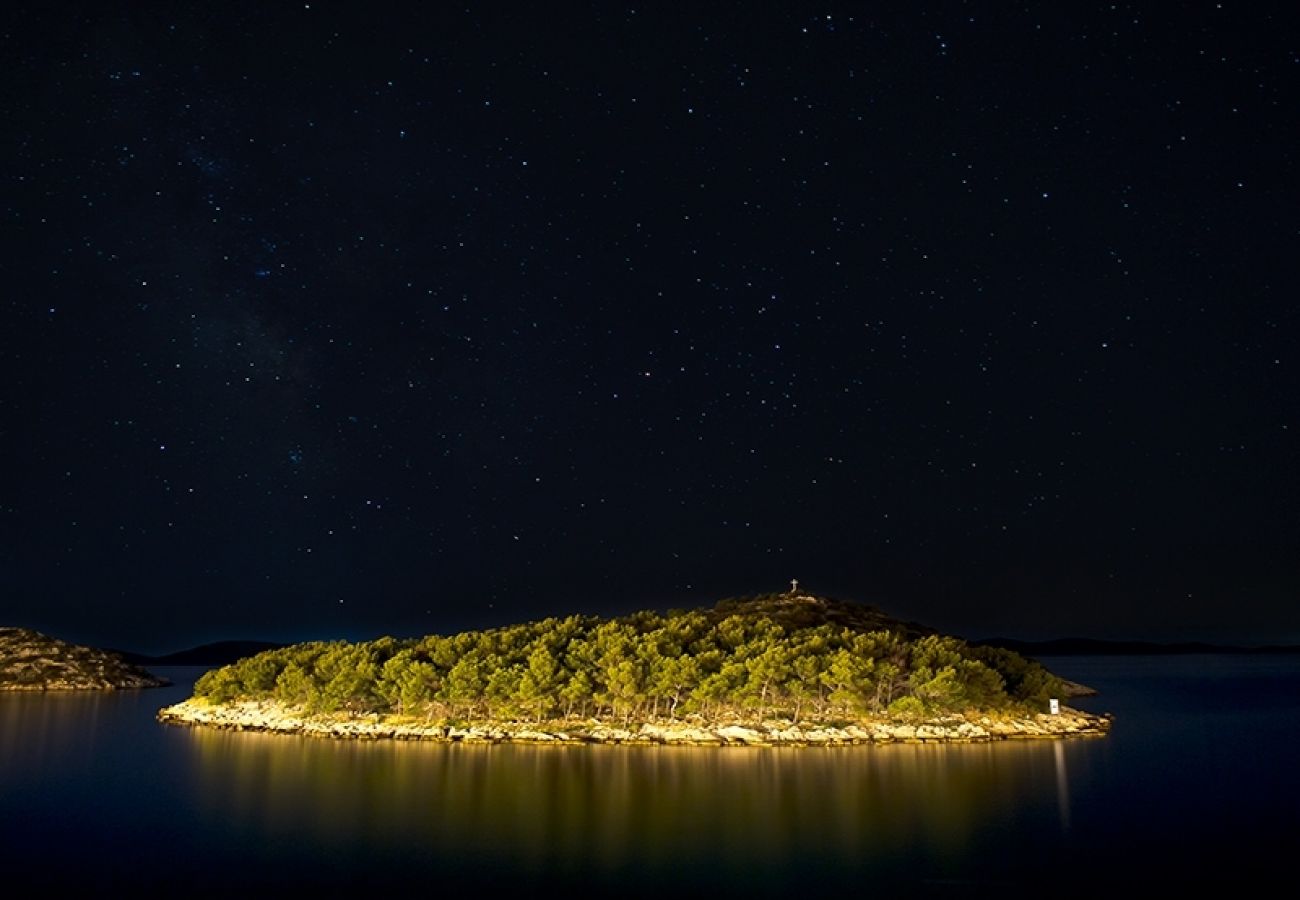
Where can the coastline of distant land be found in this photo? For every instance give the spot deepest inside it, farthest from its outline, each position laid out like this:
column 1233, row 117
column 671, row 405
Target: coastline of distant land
column 1100, row 647
column 31, row 661
column 217, row 653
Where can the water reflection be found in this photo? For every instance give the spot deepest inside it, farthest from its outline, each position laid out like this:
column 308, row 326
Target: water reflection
column 1197, row 779
column 38, row 726
column 1062, row 785
column 618, row 809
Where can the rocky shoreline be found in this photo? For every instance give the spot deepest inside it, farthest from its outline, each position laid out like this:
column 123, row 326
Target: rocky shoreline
column 273, row 717
column 86, row 683
column 31, row 661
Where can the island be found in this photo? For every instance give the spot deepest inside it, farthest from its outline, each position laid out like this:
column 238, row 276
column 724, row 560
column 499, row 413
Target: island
column 31, row 661
column 774, row 669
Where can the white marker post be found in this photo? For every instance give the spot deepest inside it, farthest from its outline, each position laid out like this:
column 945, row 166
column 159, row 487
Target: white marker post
column 1054, row 706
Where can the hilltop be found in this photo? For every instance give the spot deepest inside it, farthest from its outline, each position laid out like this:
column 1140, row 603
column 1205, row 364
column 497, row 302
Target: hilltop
column 793, row 611
column 31, row 661
column 776, row 668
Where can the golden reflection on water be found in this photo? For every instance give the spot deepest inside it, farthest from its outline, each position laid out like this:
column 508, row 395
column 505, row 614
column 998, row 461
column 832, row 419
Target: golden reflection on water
column 1062, row 785
column 582, row 806
column 35, row 724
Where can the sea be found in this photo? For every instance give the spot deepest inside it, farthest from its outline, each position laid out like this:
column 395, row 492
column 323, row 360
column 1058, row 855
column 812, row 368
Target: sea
column 1197, row 785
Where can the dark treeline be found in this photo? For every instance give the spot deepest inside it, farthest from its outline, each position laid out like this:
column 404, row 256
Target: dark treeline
column 773, row 655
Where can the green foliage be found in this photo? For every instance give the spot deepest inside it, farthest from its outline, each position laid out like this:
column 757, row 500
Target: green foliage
column 907, row 709
column 777, row 655
column 295, row 686
column 219, row 685
column 1027, row 683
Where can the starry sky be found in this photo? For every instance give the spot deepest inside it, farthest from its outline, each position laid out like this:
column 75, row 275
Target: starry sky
column 322, row 322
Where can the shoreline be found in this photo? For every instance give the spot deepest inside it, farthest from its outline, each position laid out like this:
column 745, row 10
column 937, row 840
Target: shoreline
column 271, row 717
column 60, row 688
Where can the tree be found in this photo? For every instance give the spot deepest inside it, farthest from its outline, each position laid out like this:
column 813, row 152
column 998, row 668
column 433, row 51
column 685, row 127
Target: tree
column 577, row 691
column 349, row 674
column 541, row 680
column 623, row 687
column 765, row 670
column 502, row 691
column 983, row 687
column 849, row 677
column 258, row 673
column 938, row 691
column 805, row 683
column 718, row 688
column 295, row 687
column 408, row 683
column 466, row 683
column 674, row 680
column 219, row 685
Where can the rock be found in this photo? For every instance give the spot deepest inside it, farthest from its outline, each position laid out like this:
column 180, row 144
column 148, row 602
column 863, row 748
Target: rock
column 274, row 717
column 31, row 661
column 740, row 734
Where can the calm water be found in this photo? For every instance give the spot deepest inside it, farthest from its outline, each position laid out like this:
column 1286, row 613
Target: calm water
column 1198, row 782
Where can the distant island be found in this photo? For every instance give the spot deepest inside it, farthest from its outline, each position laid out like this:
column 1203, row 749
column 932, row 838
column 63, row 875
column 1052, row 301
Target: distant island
column 773, row 669
column 31, row 661
column 1097, row 647
column 217, row 653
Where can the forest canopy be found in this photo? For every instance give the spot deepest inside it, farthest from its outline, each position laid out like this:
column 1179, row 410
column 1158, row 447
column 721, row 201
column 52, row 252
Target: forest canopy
column 775, row 655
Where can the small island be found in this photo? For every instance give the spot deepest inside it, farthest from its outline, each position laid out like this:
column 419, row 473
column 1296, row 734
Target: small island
column 776, row 669
column 31, row 661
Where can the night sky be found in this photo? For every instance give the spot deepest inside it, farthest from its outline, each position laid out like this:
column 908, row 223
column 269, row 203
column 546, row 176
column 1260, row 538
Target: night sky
column 341, row 320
